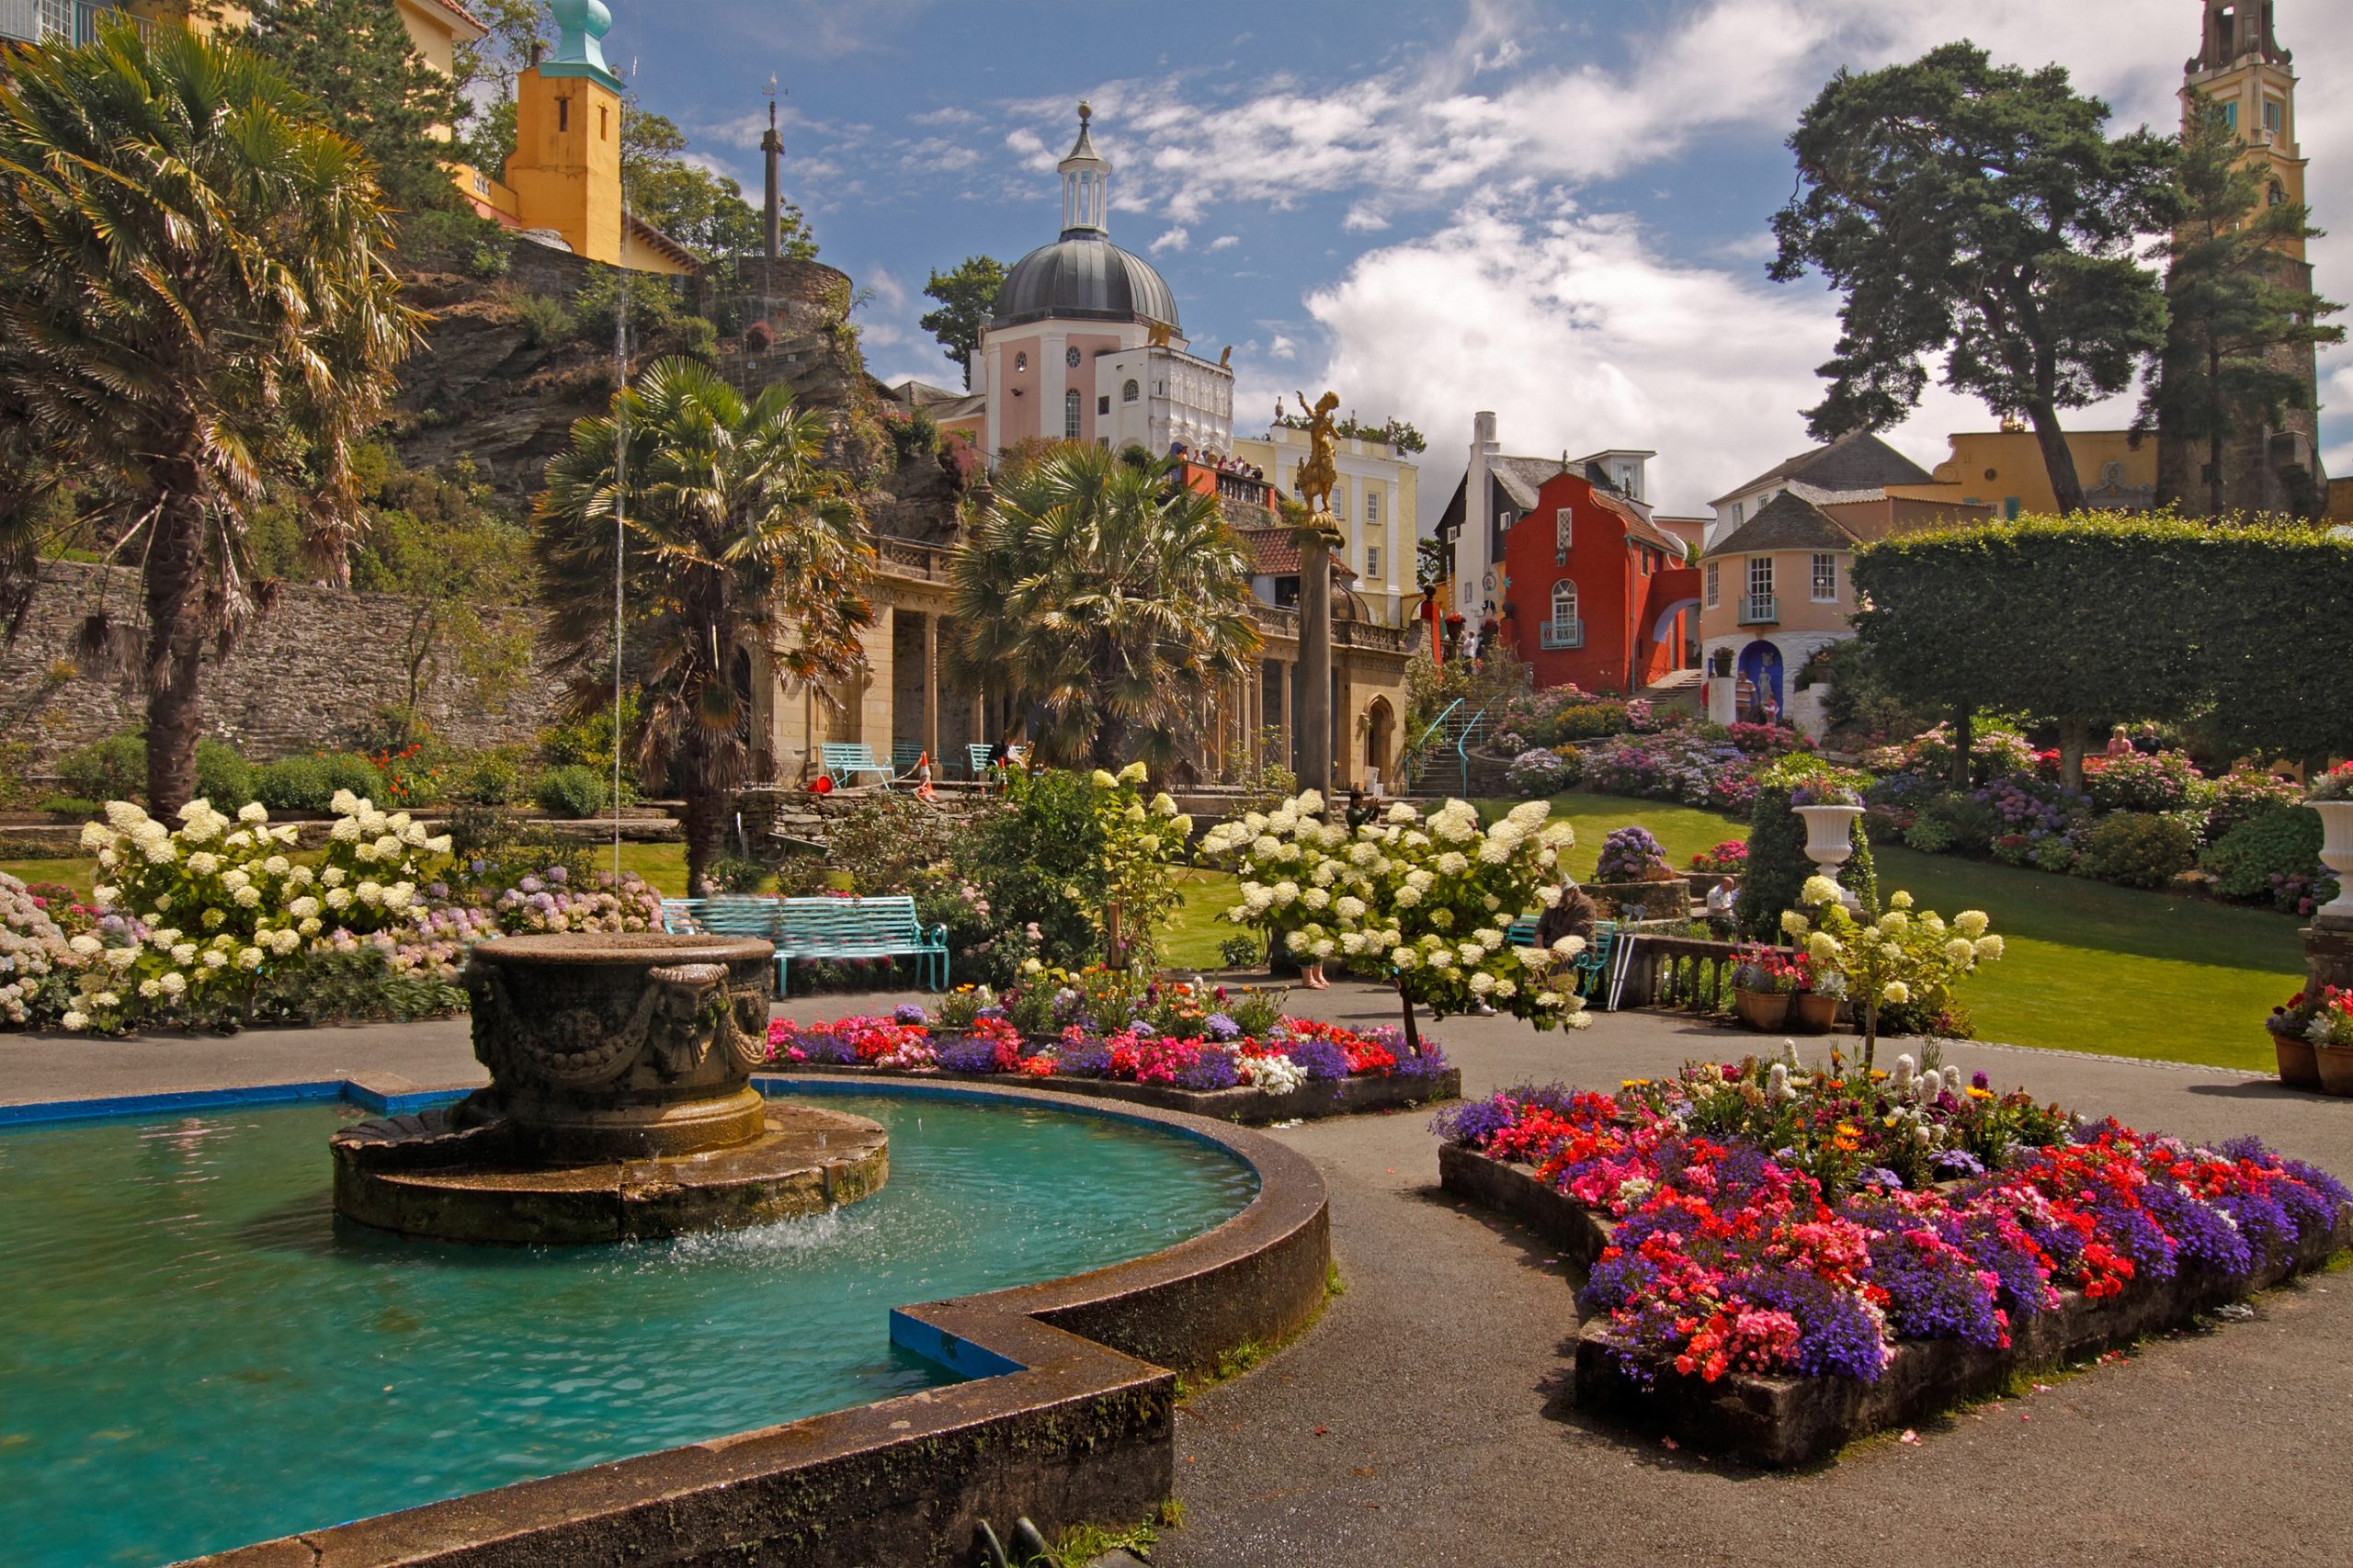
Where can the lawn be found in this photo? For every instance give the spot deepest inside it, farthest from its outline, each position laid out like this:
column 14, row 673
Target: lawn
column 2086, row 966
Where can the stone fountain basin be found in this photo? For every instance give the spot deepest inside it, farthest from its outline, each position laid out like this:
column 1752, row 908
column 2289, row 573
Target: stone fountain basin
column 620, row 1105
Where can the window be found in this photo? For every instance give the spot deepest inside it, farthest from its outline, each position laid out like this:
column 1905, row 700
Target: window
column 1373, row 504
column 1712, row 600
column 2276, row 194
column 1340, row 501
column 1131, row 392
column 1739, row 508
column 1564, row 534
column 602, row 128
column 1070, row 357
column 1825, row 578
column 2009, row 506
column 1103, row 404
column 1372, row 563
column 563, row 114
column 2231, row 116
column 1565, row 613
column 1630, row 481
column 1760, row 577
column 1020, row 362
column 1070, row 414
column 2271, row 114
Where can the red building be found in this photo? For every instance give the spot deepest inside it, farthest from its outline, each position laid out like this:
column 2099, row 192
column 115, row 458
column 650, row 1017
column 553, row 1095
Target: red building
column 1594, row 592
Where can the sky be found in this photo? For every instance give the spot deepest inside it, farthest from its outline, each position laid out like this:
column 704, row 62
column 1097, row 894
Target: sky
column 1559, row 211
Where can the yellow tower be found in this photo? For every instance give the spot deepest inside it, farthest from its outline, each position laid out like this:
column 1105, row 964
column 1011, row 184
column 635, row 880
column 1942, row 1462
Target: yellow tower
column 566, row 168
column 2242, row 68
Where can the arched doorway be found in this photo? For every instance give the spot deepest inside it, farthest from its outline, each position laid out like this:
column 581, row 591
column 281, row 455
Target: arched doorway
column 1380, row 740
column 1760, row 671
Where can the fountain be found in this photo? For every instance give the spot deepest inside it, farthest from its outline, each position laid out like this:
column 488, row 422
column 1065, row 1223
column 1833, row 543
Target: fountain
column 619, row 1107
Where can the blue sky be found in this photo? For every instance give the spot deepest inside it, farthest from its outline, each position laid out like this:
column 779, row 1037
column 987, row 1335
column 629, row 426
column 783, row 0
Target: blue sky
column 1557, row 211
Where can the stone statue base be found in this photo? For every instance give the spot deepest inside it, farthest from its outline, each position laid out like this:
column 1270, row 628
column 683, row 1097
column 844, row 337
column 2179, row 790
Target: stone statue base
column 620, row 1105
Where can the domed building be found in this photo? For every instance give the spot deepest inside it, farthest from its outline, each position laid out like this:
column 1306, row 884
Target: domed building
column 1086, row 345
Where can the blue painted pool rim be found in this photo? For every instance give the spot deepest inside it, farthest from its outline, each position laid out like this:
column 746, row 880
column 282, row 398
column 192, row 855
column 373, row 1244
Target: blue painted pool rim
column 1069, row 1414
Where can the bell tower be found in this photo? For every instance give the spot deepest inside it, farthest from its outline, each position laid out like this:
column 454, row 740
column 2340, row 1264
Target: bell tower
column 566, row 169
column 1086, row 185
column 2241, row 67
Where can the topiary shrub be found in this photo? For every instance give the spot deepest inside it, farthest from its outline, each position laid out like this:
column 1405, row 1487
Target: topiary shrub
column 572, row 792
column 1778, row 865
column 2138, row 850
column 293, row 784
column 111, row 769
column 2274, row 858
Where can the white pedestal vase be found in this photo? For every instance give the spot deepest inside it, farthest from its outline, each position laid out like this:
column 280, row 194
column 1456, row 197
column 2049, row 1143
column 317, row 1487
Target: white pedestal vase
column 2336, row 854
column 1829, row 839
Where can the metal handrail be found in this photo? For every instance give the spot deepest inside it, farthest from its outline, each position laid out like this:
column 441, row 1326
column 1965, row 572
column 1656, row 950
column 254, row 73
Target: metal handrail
column 1463, row 747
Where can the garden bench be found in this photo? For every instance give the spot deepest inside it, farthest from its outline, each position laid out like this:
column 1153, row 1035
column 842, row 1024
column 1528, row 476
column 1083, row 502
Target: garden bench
column 904, row 755
column 1588, row 966
column 836, row 928
column 979, row 755
column 845, row 762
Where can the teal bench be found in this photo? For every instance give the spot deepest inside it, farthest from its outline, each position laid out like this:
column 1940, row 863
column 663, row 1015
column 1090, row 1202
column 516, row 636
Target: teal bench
column 844, row 763
column 979, row 757
column 819, row 928
column 1589, row 966
column 905, row 754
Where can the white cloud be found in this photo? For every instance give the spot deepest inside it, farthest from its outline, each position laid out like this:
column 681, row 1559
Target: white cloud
column 938, row 153
column 1363, row 217
column 889, row 293
column 1282, row 348
column 1579, row 334
column 1224, row 241
column 1177, row 238
column 951, row 115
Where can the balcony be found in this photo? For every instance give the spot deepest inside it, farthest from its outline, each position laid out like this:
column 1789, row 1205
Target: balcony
column 1760, row 609
column 67, row 21
column 1568, row 633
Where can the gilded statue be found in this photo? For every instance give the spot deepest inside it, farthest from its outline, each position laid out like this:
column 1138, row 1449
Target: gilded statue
column 1321, row 470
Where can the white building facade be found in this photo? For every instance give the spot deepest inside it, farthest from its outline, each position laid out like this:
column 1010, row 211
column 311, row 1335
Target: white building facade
column 1375, row 501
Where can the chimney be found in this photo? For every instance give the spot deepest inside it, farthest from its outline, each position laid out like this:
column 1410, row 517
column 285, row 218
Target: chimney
column 1474, row 547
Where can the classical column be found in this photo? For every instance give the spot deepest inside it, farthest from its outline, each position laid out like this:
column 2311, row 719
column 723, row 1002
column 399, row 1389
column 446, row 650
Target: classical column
column 1285, row 673
column 1315, row 659
column 931, row 695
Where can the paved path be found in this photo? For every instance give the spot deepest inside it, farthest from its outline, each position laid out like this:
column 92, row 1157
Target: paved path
column 1424, row 1421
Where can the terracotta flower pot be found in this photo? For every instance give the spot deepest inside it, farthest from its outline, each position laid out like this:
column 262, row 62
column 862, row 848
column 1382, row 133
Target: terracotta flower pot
column 1811, row 1012
column 1767, row 1010
column 2335, row 1068
column 2298, row 1069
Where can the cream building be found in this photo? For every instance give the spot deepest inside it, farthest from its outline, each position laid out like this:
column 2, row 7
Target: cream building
column 1376, row 503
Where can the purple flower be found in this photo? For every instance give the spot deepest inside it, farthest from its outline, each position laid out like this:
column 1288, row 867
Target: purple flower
column 1092, row 1060
column 1979, row 1081
column 1220, row 1028
column 1952, row 1164
column 1210, row 1069
column 967, row 1055
column 1321, row 1060
column 909, row 1012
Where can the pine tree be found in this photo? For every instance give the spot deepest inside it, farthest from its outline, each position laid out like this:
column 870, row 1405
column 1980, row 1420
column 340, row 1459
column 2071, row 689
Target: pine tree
column 355, row 58
column 2228, row 366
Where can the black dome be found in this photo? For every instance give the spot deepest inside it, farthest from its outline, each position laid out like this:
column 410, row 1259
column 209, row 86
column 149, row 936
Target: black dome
column 1083, row 278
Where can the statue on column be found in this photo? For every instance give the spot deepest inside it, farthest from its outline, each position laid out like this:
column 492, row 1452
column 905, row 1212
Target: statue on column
column 1321, row 471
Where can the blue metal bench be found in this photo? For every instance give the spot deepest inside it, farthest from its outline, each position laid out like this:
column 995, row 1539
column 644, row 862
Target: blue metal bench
column 820, row 928
column 844, row 763
column 979, row 757
column 1590, row 966
column 905, row 754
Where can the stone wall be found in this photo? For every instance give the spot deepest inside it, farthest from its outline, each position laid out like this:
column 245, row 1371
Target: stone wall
column 310, row 674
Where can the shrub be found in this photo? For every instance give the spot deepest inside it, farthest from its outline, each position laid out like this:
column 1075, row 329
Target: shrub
column 2164, row 782
column 111, row 769
column 1630, row 855
column 1585, row 722
column 758, row 337
column 2242, row 795
column 888, row 839
column 488, row 263
column 573, row 790
column 1967, row 825
column 492, row 779
column 349, row 770
column 1242, row 950
column 2139, row 850
column 221, row 776
column 1039, row 860
column 1536, row 772
column 1778, row 865
column 1930, row 835
column 2274, row 858
column 293, row 784
column 544, row 319
column 732, row 873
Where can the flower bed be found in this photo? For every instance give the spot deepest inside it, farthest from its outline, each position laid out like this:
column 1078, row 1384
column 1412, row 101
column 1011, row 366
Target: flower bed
column 1774, row 1298
column 1294, row 1067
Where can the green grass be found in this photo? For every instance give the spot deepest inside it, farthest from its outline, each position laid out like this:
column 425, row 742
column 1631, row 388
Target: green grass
column 76, row 873
column 1189, row 936
column 2085, row 967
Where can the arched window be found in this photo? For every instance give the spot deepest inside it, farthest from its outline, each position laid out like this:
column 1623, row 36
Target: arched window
column 1070, row 414
column 1563, row 631
column 2277, row 194
column 1565, row 601
column 1020, row 362
column 1131, row 392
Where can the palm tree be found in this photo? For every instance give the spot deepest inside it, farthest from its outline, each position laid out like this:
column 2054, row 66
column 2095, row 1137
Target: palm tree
column 737, row 541
column 196, row 306
column 1096, row 591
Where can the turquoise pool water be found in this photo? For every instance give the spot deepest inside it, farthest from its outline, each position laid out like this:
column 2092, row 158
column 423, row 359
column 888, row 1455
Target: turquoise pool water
column 195, row 1354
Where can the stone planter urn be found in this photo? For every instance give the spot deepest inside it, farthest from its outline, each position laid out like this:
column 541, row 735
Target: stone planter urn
column 2336, row 854
column 1812, row 1012
column 1829, row 839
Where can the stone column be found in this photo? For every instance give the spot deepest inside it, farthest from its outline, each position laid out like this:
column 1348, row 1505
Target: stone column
column 1284, row 671
column 1315, row 657
column 2328, row 955
column 931, row 695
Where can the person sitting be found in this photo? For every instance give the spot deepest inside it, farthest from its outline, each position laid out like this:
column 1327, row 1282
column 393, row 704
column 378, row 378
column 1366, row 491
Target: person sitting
column 1359, row 811
column 1722, row 899
column 1573, row 915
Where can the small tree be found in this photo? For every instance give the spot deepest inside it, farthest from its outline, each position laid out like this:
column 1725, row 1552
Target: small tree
column 967, row 298
column 2224, row 371
column 1422, row 902
column 1979, row 213
column 354, row 59
column 1891, row 958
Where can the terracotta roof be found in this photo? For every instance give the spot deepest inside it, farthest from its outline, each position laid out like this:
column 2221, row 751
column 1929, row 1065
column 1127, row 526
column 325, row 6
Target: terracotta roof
column 1789, row 521
column 458, row 13
column 1274, row 553
column 1858, row 461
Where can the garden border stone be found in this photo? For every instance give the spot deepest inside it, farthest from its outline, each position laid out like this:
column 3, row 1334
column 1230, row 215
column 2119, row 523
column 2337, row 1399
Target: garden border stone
column 1357, row 1096
column 1777, row 1422
column 1070, row 1416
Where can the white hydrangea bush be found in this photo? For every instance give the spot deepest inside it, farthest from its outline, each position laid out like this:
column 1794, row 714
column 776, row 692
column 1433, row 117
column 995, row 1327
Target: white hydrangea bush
column 1891, row 957
column 196, row 912
column 1427, row 901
